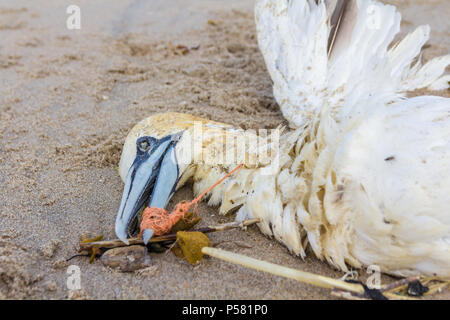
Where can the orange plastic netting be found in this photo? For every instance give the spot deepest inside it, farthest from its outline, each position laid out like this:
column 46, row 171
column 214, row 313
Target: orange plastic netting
column 161, row 221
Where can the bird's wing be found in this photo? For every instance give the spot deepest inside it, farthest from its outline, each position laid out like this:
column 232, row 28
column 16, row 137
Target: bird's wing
column 389, row 183
column 345, row 85
column 339, row 53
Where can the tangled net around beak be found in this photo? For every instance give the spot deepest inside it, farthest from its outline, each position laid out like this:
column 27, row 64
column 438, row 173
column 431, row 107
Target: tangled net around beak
column 161, row 221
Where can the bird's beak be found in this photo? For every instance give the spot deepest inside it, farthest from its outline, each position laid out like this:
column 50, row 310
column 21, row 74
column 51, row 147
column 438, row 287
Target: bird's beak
column 151, row 178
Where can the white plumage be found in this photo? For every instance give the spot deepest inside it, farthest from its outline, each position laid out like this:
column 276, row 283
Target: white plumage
column 379, row 178
column 364, row 174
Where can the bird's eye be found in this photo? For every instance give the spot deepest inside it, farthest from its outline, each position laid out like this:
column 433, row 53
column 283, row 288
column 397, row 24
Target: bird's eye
column 144, row 146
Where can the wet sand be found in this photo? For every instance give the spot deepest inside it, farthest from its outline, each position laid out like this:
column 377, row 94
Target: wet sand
column 68, row 99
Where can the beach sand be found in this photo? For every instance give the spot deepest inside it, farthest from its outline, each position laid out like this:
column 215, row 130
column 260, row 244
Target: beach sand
column 68, row 99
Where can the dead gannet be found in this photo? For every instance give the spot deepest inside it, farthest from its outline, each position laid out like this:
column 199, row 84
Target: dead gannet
column 363, row 176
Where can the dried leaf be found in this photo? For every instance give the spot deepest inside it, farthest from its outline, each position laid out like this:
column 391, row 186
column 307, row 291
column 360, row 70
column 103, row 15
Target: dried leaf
column 94, row 251
column 186, row 223
column 87, row 240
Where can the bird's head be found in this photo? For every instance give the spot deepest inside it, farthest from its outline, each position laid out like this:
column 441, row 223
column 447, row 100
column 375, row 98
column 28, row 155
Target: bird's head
column 155, row 161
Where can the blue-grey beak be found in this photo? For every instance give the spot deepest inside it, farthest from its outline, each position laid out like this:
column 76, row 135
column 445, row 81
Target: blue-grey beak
column 151, row 179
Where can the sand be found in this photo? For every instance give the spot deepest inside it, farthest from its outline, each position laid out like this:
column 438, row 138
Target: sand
column 67, row 100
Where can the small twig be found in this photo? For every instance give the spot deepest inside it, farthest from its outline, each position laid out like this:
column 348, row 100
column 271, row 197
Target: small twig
column 393, row 296
column 171, row 246
column 238, row 243
column 352, row 274
column 76, row 256
column 438, row 287
column 109, row 244
column 348, row 295
column 398, row 284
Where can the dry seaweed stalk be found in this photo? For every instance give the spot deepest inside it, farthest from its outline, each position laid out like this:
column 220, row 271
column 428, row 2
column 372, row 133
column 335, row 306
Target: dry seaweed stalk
column 307, row 277
column 87, row 247
column 94, row 252
column 433, row 284
column 340, row 288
